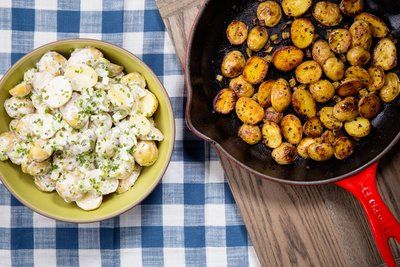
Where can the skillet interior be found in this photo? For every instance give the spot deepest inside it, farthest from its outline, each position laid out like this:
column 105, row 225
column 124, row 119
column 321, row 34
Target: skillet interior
column 205, row 53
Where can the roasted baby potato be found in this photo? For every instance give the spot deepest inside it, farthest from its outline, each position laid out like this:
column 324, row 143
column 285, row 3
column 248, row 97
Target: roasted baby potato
column 249, row 111
column 321, row 51
column 327, row 118
column 284, row 154
column 264, row 93
column 272, row 115
column 391, row 88
column 358, row 56
column 257, row 38
column 379, row 28
column 241, row 87
column 361, row 34
column 302, row 32
column 385, row 54
column 271, row 134
column 291, row 129
column 237, row 32
column 303, row 146
column 349, row 87
column 320, row 151
column 313, row 127
column 281, row 95
column 334, row 68
column 251, row 134
column 359, row 73
column 377, row 78
column 308, row 72
column 304, row 104
column 328, row 137
column 224, row 101
column 255, row 70
column 343, row 147
column 351, row 7
column 287, row 58
column 295, row 8
column 322, row 91
column 339, row 40
column 233, row 64
column 327, row 13
column 369, row 106
column 359, row 127
column 346, row 109
column 270, row 12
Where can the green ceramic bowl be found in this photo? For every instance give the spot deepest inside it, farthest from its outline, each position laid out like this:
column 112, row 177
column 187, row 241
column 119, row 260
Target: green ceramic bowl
column 50, row 204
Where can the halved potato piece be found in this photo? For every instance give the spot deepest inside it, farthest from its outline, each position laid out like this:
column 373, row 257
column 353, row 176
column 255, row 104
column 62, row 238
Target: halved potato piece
column 257, row 38
column 379, row 28
column 359, row 127
column 233, row 64
column 339, row 40
column 272, row 115
column 148, row 104
column 313, row 127
column 241, row 87
column 343, row 147
column 351, row 7
column 302, row 32
column 237, row 32
column 385, row 54
column 251, row 134
column 369, row 106
column 308, row 72
column 284, row 154
column 320, row 151
column 270, row 12
column 303, row 146
column 349, row 87
column 322, row 91
column 358, row 56
column 361, row 34
column 295, row 8
column 224, row 101
column 249, row 111
column 377, row 78
column 304, row 104
column 321, row 51
column 287, row 58
column 391, row 88
column 20, row 90
column 281, row 95
column 328, row 137
column 327, row 13
column 359, row 73
column 264, row 93
column 334, row 68
column 271, row 134
column 327, row 118
column 291, row 129
column 346, row 109
column 255, row 70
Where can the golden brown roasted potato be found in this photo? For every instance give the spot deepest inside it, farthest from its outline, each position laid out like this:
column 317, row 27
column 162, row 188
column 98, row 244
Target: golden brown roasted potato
column 264, row 93
column 379, row 28
column 377, row 78
column 328, row 137
column 327, row 13
column 251, row 134
column 302, row 32
column 359, row 73
column 304, row 104
column 281, row 95
column 237, row 32
column 272, row 115
column 255, row 70
column 270, row 12
column 241, row 87
column 321, row 51
column 369, row 106
column 385, row 54
column 303, row 146
column 358, row 56
column 308, row 72
column 271, row 134
column 313, row 127
column 349, row 87
column 339, row 40
column 295, row 8
column 361, row 34
column 284, row 154
column 359, row 127
column 320, row 151
column 346, row 109
column 249, row 111
column 233, row 64
column 286, row 58
column 322, row 91
column 334, row 68
column 257, row 38
column 343, row 147
column 391, row 88
column 351, row 7
column 291, row 129
column 225, row 100
column 327, row 118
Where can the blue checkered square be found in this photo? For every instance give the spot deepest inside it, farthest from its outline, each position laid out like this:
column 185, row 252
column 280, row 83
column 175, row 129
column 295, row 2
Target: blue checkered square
column 154, row 237
column 67, row 238
column 236, row 236
column 23, row 19
column 152, row 215
column 194, row 194
column 113, row 21
column 153, row 22
column 68, row 21
column 195, row 236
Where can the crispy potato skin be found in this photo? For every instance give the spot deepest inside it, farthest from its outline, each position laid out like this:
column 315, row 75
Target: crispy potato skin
column 308, row 72
column 224, row 101
column 351, row 7
column 379, row 28
column 233, row 64
column 328, row 137
column 320, row 151
column 385, row 54
column 327, row 13
column 284, row 154
column 391, row 88
column 369, row 106
column 322, row 91
column 361, row 34
column 327, row 118
column 343, row 147
column 313, row 127
column 359, row 73
column 292, row 129
column 295, row 8
column 339, row 40
column 349, row 87
column 241, row 87
column 257, row 38
column 270, row 12
column 237, row 32
column 346, row 109
column 255, row 70
column 303, row 146
column 334, row 68
column 377, row 78
column 321, row 51
column 249, row 111
column 304, row 104
column 359, row 127
column 287, row 58
column 251, row 134
column 271, row 134
column 264, row 93
column 302, row 32
column 281, row 95
column 272, row 115
column 358, row 56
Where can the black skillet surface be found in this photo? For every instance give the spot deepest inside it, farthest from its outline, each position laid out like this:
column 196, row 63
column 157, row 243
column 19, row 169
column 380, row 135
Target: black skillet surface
column 206, row 50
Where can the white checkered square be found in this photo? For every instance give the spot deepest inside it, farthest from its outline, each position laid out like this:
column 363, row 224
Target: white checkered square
column 253, row 259
column 5, row 221
column 174, row 173
column 133, row 42
column 180, row 127
column 214, row 172
column 174, row 84
column 131, row 218
column 96, row 36
column 216, row 257
column 5, row 258
column 174, row 257
column 6, row 37
column 5, row 3
column 46, row 4
column 89, row 225
column 89, row 257
column 168, row 45
column 45, row 257
column 131, row 257
column 134, row 5
column 214, row 215
column 41, row 221
column 42, row 38
column 173, row 215
column 92, row 5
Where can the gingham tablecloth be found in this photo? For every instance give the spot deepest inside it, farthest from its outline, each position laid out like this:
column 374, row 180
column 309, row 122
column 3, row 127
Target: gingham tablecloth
column 190, row 218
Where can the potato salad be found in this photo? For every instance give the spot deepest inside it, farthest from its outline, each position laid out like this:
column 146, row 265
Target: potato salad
column 81, row 126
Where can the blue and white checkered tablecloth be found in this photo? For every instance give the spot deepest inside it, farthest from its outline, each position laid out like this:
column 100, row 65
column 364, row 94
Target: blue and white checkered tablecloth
column 190, row 219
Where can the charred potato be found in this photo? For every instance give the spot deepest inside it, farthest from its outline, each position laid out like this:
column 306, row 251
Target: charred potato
column 328, row 137
column 358, row 56
column 359, row 127
column 327, row 118
column 302, row 32
column 295, row 8
column 320, row 151
column 251, row 134
column 361, row 34
column 346, row 109
column 271, row 134
column 377, row 78
column 339, row 40
column 237, row 32
column 225, row 101
column 287, row 58
column 303, row 146
column 292, row 129
column 369, row 106
column 313, row 127
column 321, row 51
column 334, row 68
column 272, row 115
column 270, row 12
column 308, row 72
column 343, row 147
column 233, row 64
column 322, row 91
column 255, row 70
column 249, row 111
column 349, row 87
column 327, row 13
column 281, row 95
column 264, row 93
column 257, row 38
column 359, row 73
column 241, row 87
column 385, row 54
column 304, row 104
column 284, row 154
column 379, row 28
column 391, row 88
column 351, row 7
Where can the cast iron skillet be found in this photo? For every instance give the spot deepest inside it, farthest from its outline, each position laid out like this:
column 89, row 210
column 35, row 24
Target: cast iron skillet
column 207, row 46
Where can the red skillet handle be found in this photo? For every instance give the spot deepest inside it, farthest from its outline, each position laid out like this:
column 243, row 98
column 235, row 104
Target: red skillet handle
column 382, row 222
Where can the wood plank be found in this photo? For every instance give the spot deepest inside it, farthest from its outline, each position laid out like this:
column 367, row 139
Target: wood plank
column 296, row 225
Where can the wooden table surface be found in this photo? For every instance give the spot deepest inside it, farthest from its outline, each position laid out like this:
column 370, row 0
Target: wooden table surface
column 297, row 225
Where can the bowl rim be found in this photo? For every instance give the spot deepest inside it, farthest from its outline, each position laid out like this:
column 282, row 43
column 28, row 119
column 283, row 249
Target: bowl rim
column 172, row 130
